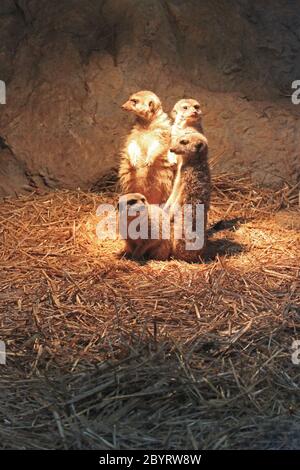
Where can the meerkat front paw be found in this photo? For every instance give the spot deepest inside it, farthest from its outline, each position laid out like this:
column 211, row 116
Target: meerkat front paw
column 152, row 152
column 172, row 158
column 134, row 152
column 149, row 160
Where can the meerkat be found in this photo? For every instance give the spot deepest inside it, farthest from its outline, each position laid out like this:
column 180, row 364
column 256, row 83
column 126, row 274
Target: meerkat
column 192, row 185
column 186, row 115
column 144, row 166
column 151, row 245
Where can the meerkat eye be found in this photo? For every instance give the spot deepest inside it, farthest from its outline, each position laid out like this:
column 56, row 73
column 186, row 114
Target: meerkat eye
column 185, row 107
column 131, row 202
column 143, row 199
column 197, row 107
column 183, row 142
column 134, row 101
column 150, row 104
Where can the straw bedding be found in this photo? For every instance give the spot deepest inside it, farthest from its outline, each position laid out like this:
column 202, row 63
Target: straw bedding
column 107, row 353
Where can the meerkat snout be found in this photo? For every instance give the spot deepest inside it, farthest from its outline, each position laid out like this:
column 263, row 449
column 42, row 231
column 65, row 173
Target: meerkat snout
column 182, row 142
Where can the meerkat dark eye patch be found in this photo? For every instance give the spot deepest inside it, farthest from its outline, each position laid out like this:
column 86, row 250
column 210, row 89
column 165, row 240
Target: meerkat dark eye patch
column 185, row 107
column 133, row 101
column 199, row 146
column 183, row 142
column 131, row 202
column 197, row 107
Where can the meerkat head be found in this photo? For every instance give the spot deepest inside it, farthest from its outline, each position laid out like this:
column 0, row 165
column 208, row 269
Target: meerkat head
column 189, row 144
column 144, row 104
column 187, row 110
column 137, row 201
column 131, row 206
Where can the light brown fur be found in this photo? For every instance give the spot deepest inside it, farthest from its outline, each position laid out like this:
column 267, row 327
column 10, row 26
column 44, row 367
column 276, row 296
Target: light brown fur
column 192, row 184
column 144, row 167
column 187, row 114
column 158, row 248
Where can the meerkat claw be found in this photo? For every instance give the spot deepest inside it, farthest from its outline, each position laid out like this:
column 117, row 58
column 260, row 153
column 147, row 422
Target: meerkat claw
column 149, row 161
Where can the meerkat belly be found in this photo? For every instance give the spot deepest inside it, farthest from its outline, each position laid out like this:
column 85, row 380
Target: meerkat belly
column 155, row 183
column 145, row 147
column 145, row 168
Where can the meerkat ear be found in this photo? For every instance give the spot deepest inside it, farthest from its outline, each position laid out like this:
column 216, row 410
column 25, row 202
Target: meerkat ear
column 154, row 105
column 201, row 147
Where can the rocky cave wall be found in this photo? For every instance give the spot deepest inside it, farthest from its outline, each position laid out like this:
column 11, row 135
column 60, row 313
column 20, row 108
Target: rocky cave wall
column 69, row 64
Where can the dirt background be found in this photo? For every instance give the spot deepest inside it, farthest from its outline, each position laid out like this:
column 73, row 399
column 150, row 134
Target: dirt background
column 69, row 64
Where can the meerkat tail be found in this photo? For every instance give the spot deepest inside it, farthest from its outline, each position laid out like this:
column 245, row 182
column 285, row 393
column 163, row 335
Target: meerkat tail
column 175, row 195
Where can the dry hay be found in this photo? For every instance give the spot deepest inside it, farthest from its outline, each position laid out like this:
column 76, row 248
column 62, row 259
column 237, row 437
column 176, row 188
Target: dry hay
column 108, row 353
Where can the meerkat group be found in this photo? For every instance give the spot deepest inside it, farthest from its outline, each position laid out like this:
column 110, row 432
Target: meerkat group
column 164, row 162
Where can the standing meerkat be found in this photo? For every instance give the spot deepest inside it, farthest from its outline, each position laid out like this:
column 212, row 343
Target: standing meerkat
column 144, row 166
column 134, row 208
column 192, row 185
column 186, row 115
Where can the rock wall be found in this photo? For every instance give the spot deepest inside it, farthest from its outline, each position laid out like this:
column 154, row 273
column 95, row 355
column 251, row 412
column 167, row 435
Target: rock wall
column 69, row 64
